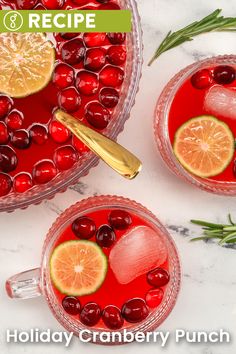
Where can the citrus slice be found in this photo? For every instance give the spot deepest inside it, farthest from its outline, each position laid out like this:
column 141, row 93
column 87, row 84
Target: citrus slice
column 78, row 267
column 204, row 146
column 26, row 62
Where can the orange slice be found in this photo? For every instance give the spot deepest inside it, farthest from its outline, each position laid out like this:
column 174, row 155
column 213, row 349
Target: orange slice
column 26, row 62
column 78, row 267
column 204, row 146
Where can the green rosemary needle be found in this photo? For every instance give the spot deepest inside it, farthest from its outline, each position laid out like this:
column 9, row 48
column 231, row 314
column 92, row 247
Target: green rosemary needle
column 212, row 22
column 225, row 233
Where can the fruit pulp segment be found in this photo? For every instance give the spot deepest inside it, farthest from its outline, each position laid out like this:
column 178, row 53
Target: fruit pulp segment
column 111, row 292
column 189, row 103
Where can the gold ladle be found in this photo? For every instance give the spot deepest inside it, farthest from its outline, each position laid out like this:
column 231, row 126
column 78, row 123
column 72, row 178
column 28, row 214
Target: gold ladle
column 112, row 153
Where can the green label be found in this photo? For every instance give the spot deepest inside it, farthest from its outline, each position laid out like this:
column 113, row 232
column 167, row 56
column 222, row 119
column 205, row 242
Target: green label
column 65, row 21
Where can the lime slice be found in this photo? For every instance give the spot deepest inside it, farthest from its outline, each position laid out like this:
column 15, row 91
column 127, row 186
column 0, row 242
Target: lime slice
column 78, row 267
column 204, row 146
column 26, row 62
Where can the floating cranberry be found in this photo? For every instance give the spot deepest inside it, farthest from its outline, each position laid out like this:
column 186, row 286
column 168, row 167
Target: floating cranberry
column 94, row 39
column 22, row 182
column 105, row 236
column 71, row 305
column 112, row 318
column 224, row 74
column 53, row 4
column 59, row 132
column 158, row 277
column 97, row 115
column 20, row 139
column 63, row 75
column 39, row 134
column 116, row 38
column 110, row 6
column 8, row 159
column 116, row 55
column 202, row 79
column 95, row 59
column 44, row 171
column 65, row 157
column 84, row 227
column 103, row 1
column 73, row 51
column 69, row 99
column 134, row 310
column 154, row 297
column 14, row 120
column 80, row 2
column 109, row 97
column 90, row 314
column 26, row 4
column 5, row 105
column 78, row 145
column 69, row 35
column 5, row 184
column 87, row 83
column 119, row 219
column 111, row 76
column 4, row 136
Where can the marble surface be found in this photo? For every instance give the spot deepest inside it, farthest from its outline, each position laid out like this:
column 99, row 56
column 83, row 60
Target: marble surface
column 207, row 298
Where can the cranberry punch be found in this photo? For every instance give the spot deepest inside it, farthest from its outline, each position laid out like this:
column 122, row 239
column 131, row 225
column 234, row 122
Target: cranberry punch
column 195, row 124
column 107, row 265
column 94, row 77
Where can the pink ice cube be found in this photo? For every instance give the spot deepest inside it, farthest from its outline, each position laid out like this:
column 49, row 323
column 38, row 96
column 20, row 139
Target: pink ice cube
column 221, row 101
column 136, row 253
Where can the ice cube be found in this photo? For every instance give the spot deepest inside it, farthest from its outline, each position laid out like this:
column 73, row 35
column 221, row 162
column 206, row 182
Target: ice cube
column 221, row 101
column 136, row 253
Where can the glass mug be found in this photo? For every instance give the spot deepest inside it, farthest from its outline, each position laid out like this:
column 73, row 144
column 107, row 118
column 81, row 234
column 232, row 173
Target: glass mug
column 37, row 282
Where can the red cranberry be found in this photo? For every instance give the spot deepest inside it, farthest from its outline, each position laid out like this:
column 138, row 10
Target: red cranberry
column 5, row 105
column 4, row 136
column 112, row 317
column 94, row 39
column 69, row 35
column 69, row 99
column 84, row 227
column 5, row 184
column 116, row 38
column 224, row 74
column 65, row 157
column 53, row 4
column 97, row 115
column 119, row 219
column 90, row 314
column 14, row 120
column 158, row 277
column 103, row 1
column 109, row 97
column 59, row 132
column 40, row 7
column 63, row 75
column 95, row 59
column 78, row 145
column 105, row 236
column 8, row 159
column 202, row 79
column 44, row 171
column 86, row 83
column 26, row 4
column 111, row 76
column 134, row 310
column 22, row 182
column 110, row 6
column 71, row 305
column 39, row 134
column 154, row 297
column 73, row 51
column 80, row 2
column 20, row 139
column 116, row 55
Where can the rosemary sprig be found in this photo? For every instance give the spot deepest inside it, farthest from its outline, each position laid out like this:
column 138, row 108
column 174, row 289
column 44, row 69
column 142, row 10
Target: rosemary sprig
column 212, row 22
column 225, row 233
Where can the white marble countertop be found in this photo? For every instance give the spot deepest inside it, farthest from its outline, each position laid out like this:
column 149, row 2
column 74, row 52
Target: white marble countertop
column 208, row 293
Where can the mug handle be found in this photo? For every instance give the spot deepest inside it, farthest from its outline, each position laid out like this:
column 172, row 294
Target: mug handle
column 25, row 285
